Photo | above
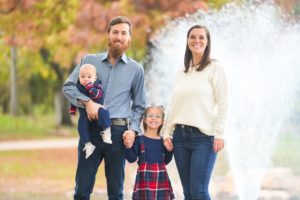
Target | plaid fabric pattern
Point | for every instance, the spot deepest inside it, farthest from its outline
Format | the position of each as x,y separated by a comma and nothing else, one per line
94,89
152,180
72,110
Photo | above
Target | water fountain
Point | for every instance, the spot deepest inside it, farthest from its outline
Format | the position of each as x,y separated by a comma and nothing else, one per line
260,51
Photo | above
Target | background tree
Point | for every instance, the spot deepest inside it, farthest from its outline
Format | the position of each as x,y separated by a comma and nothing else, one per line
51,36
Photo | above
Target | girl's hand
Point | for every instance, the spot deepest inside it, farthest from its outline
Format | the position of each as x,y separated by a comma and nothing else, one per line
218,145
168,144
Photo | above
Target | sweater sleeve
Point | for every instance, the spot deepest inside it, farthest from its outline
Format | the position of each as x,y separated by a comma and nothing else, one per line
168,156
131,154
220,88
168,126
94,91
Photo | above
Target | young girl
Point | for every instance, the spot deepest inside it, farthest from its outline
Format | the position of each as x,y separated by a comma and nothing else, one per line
152,180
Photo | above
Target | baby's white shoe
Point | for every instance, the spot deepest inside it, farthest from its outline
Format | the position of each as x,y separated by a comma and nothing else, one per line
89,149
106,136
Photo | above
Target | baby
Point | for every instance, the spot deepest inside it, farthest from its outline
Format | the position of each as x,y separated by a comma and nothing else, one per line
91,87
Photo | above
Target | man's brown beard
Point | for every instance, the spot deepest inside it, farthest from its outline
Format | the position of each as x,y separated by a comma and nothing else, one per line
117,52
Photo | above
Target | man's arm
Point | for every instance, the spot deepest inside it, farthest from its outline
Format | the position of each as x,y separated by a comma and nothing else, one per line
91,108
138,101
138,107
76,97
70,90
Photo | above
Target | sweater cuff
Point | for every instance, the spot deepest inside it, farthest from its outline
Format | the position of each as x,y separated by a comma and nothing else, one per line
168,132
219,134
219,137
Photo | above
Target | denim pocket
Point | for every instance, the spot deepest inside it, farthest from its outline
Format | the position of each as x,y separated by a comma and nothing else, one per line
177,135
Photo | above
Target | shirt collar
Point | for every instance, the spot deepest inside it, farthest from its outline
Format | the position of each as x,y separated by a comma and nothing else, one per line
124,58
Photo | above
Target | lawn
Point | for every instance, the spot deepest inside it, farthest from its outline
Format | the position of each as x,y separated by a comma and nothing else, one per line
49,174
37,172
46,174
40,174
287,152
33,127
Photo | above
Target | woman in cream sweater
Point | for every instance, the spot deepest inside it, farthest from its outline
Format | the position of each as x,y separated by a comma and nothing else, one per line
197,114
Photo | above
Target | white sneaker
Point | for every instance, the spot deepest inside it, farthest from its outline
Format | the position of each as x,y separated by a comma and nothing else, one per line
106,136
89,149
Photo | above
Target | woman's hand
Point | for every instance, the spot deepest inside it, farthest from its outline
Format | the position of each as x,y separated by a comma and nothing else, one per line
218,144
168,144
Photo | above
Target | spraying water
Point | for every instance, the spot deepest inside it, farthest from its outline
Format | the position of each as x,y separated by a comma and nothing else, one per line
260,52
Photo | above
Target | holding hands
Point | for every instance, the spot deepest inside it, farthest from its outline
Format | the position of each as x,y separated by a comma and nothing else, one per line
218,144
128,137
168,144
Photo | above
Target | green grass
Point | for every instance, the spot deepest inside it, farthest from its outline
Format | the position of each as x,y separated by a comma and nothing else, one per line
287,152
49,174
32,127
38,163
34,196
42,174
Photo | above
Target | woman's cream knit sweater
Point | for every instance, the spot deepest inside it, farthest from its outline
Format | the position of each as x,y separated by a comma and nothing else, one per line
199,99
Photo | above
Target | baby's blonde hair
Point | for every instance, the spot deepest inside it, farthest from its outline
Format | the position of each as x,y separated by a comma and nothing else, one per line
88,66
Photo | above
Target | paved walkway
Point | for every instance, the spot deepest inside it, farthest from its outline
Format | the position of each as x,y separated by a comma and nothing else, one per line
39,144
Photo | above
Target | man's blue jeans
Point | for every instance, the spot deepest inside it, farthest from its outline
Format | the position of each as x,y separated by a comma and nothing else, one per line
195,159
113,155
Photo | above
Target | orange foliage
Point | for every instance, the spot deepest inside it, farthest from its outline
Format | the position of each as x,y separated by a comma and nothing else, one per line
181,7
287,5
88,31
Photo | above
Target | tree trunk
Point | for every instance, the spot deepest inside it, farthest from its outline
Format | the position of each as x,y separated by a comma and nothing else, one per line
62,110
60,103
13,83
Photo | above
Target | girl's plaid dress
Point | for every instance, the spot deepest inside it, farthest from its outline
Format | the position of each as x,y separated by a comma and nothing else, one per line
152,180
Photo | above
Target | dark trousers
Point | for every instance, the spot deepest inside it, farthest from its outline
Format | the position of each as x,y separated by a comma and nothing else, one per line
114,159
195,159
84,123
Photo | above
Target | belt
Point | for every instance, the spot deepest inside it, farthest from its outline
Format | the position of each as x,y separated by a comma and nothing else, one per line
185,126
189,127
119,122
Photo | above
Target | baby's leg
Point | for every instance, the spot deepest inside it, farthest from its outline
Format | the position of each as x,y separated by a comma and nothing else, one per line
104,122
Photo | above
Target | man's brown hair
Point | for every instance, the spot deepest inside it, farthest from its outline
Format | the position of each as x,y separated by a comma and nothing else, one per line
119,20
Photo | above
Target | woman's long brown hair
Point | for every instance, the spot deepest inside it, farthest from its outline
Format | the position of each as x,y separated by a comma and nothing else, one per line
205,60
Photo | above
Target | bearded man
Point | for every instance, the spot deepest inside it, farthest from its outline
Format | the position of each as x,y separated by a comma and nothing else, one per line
124,97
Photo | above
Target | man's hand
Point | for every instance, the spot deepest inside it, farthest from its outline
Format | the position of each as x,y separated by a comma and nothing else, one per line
168,144
92,109
128,137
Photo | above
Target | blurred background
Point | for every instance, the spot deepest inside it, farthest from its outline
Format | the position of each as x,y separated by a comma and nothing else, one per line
41,41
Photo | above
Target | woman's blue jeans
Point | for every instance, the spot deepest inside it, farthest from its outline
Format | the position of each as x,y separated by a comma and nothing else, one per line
195,159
